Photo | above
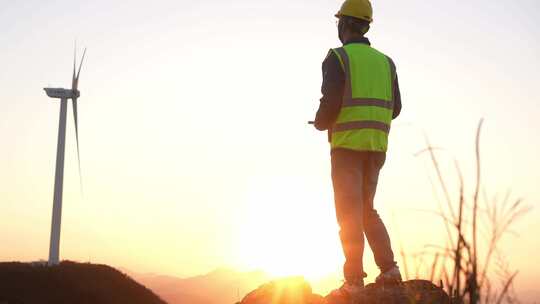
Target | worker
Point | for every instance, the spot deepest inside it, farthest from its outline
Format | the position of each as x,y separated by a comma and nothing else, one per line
360,99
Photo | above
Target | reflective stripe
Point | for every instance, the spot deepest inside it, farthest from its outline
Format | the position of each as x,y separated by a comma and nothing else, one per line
372,102
347,91
393,75
355,125
339,58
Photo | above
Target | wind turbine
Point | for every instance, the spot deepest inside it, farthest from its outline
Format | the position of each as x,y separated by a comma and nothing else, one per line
64,95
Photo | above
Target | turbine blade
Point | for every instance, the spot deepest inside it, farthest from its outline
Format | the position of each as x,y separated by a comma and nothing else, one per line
80,66
74,66
76,118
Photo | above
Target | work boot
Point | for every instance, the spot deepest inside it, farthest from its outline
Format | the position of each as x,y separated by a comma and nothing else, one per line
348,293
391,276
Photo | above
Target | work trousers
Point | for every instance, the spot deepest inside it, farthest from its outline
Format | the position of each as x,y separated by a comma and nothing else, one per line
355,176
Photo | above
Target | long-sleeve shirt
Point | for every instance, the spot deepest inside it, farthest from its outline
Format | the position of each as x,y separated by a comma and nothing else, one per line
332,90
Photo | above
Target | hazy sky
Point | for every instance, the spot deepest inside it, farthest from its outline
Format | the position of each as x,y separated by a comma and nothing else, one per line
194,144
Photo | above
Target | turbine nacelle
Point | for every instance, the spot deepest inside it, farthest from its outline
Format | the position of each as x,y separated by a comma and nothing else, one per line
62,93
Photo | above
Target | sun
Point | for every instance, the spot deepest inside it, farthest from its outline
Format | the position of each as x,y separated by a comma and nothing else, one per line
288,230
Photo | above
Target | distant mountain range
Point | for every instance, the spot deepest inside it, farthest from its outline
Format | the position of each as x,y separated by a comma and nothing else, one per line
221,286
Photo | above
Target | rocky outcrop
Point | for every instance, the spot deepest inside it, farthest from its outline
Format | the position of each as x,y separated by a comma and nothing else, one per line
298,291
410,292
287,291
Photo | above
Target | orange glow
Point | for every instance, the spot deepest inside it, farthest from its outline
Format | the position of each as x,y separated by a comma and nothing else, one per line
287,234
195,151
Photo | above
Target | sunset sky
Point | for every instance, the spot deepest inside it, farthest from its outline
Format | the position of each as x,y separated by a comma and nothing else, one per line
195,150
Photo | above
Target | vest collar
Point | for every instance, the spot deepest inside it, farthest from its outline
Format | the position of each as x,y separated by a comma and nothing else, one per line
363,40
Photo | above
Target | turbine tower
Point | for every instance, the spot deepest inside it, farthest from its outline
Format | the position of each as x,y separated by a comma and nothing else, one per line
64,95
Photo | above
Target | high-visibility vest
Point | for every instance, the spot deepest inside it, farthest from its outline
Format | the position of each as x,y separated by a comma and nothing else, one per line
365,117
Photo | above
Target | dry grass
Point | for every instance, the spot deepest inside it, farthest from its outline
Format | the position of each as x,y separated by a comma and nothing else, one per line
470,264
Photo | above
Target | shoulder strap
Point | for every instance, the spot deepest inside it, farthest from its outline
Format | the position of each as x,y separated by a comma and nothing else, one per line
337,53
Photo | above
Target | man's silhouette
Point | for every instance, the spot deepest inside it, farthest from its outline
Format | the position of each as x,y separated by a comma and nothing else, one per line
360,98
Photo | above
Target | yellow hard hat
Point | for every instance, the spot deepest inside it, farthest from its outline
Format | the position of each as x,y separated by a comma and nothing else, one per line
360,9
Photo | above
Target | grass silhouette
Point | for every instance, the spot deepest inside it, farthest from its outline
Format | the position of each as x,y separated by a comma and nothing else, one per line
470,263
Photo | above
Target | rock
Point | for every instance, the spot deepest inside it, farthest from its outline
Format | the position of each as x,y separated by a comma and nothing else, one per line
297,291
422,291
293,290
410,292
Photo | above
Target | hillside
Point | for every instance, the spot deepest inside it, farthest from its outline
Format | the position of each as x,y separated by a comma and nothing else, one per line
69,282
